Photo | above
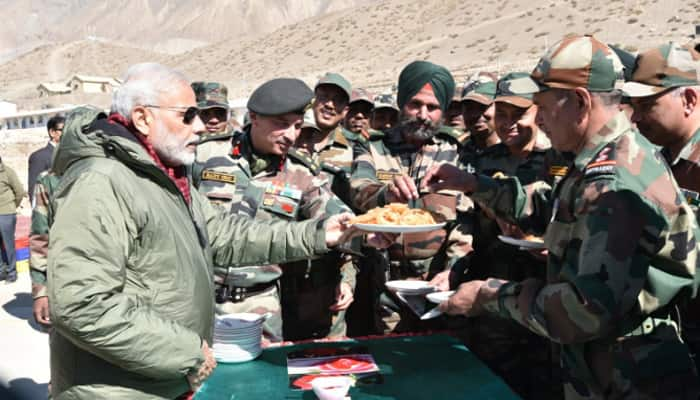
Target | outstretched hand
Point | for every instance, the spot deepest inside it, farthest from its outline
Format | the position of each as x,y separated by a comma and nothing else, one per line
448,177
339,231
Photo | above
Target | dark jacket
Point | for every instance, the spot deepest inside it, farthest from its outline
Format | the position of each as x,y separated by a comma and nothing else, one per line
39,161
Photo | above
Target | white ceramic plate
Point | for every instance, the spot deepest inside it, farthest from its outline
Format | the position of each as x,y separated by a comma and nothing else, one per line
228,349
238,321
247,342
224,358
238,332
525,244
439,297
399,228
410,287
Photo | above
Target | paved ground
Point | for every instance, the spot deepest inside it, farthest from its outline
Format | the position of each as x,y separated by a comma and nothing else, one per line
24,349
24,364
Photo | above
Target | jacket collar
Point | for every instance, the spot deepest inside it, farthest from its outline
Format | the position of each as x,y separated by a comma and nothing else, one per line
613,129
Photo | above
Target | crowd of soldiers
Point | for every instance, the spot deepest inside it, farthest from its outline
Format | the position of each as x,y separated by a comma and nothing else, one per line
605,310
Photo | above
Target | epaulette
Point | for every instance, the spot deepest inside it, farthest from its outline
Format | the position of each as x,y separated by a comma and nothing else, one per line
603,163
305,160
209,137
332,169
376,134
450,133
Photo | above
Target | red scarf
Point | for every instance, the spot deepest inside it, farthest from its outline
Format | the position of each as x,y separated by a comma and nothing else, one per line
177,175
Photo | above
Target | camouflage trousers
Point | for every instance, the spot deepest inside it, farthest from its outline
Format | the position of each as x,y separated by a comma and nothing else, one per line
267,301
653,366
306,310
524,360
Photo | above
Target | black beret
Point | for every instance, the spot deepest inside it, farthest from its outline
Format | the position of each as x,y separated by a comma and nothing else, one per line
280,96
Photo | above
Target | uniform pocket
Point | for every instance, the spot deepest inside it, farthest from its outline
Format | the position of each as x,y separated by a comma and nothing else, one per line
557,237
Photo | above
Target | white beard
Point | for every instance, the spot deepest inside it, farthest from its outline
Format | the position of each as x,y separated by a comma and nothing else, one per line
172,151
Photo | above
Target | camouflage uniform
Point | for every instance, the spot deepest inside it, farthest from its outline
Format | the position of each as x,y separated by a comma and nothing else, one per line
521,357
658,70
622,251
209,95
414,255
271,188
335,159
42,213
686,171
481,89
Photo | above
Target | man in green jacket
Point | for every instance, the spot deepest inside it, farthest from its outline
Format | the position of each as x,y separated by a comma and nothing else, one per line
11,194
130,279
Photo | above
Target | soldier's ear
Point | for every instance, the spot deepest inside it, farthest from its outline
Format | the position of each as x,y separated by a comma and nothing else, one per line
584,101
142,119
689,95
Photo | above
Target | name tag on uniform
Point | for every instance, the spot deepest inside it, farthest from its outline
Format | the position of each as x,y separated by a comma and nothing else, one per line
558,170
386,176
210,175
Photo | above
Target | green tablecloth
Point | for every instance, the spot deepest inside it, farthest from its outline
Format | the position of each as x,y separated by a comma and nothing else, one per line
417,367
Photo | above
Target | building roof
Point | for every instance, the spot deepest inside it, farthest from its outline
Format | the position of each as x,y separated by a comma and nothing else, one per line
95,79
54,87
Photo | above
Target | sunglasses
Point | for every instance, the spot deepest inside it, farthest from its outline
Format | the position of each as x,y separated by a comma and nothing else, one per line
188,113
220,113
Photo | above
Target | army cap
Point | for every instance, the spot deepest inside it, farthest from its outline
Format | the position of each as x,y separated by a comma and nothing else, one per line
662,68
210,94
385,101
331,78
516,88
361,95
457,97
579,61
480,88
280,96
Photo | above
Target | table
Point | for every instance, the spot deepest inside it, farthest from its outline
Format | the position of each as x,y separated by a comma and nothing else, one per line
414,367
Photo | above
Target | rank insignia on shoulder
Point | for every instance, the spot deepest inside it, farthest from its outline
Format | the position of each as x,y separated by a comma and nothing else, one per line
603,163
211,175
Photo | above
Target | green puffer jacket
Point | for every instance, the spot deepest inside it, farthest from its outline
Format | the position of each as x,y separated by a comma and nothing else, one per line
130,268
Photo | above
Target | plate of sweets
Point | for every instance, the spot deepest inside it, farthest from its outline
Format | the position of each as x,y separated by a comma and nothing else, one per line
398,218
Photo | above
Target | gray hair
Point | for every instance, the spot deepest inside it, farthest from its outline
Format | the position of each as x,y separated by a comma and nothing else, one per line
143,84
607,99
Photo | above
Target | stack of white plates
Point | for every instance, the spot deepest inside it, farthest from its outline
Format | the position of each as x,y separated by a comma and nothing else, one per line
237,337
